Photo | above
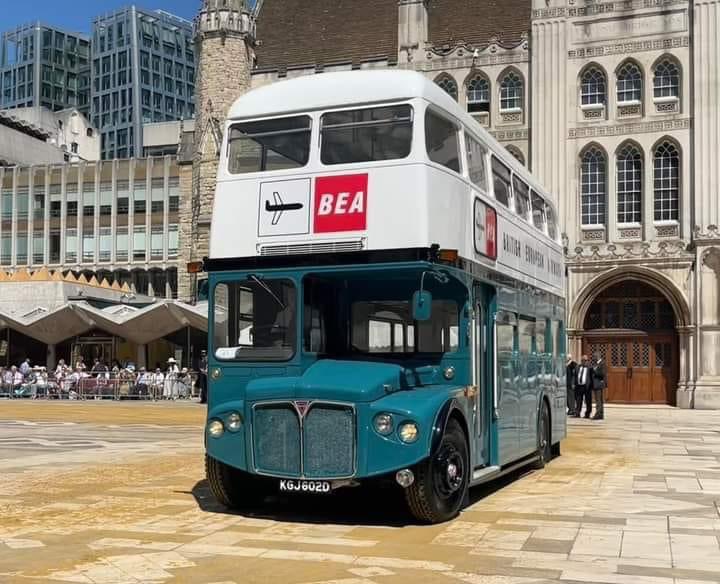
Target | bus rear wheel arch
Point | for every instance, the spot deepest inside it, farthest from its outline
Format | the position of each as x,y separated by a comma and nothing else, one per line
544,436
441,481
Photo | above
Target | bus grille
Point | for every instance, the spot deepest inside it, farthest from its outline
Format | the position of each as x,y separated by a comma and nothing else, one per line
328,440
312,248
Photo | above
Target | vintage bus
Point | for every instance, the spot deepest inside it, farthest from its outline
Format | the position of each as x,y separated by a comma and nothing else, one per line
386,297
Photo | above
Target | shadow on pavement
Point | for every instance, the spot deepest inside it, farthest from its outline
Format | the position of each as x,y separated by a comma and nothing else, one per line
379,505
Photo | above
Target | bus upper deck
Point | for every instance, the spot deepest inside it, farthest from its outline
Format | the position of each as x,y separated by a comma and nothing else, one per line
376,160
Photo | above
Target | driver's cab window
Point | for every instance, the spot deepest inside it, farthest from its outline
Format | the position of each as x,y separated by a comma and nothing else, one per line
388,327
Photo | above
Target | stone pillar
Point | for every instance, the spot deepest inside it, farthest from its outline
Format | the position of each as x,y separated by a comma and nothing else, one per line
141,356
51,359
684,396
412,29
225,39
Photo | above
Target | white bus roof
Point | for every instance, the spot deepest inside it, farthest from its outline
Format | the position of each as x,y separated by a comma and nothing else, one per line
334,90
352,88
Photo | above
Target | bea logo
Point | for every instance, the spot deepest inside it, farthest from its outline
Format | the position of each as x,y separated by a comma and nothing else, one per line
341,203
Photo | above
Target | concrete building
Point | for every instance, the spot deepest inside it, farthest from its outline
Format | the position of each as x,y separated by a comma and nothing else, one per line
143,71
44,66
24,142
67,129
114,220
613,105
164,138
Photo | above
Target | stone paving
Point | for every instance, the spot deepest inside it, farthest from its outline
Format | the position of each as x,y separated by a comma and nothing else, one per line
109,493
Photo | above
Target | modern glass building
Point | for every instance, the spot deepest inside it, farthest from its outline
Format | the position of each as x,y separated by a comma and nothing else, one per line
143,70
115,220
44,66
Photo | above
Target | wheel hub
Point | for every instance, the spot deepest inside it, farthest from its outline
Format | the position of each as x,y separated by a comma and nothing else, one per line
449,471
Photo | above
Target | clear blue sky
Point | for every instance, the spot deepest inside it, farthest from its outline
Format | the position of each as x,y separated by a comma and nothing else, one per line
77,15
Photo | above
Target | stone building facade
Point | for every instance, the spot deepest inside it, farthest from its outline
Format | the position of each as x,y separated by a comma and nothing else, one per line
612,105
225,37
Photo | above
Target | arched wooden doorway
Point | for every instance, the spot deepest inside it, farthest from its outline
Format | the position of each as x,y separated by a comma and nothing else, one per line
632,325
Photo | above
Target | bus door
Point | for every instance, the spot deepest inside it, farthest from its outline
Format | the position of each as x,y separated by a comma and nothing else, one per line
483,349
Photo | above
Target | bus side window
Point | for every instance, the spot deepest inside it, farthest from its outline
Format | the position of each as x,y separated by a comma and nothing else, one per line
477,161
551,222
522,198
501,182
442,142
538,211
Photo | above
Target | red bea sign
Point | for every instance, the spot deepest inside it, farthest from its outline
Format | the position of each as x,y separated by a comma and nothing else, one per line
341,203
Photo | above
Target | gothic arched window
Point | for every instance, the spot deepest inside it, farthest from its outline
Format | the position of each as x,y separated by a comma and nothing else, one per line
593,87
666,82
448,84
666,181
593,185
629,83
511,92
478,95
629,184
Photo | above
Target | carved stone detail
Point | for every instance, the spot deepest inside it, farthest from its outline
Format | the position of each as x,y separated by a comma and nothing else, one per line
630,233
667,231
629,111
667,107
510,135
593,235
638,128
595,8
629,47
630,251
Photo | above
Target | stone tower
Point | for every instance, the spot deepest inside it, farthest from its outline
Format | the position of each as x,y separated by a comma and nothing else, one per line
225,41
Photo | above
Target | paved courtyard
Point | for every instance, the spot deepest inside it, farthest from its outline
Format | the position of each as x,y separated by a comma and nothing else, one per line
114,493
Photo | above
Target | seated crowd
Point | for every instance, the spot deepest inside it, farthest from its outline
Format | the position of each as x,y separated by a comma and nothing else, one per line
120,381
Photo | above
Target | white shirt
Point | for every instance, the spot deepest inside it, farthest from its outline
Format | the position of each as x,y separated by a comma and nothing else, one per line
582,375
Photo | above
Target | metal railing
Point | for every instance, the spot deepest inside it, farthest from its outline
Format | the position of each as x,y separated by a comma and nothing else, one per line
100,388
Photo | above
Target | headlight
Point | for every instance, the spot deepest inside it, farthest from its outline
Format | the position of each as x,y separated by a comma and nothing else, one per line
234,421
408,432
216,428
383,424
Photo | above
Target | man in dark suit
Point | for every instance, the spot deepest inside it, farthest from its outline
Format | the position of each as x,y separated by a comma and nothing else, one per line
599,384
583,387
570,371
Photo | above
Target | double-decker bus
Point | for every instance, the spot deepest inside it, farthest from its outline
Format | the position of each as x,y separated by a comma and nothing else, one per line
386,291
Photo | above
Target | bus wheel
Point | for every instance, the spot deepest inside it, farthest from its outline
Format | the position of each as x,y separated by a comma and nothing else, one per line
544,438
441,481
231,487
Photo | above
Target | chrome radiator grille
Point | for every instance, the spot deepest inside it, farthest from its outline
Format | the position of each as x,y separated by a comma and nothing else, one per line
301,439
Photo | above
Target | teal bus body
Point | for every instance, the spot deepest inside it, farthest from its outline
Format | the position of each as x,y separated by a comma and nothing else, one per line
508,362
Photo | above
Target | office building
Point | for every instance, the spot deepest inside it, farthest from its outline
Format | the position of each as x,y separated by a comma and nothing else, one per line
143,71
44,66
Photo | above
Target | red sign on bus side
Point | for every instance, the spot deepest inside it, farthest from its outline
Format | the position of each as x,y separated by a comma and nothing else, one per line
341,203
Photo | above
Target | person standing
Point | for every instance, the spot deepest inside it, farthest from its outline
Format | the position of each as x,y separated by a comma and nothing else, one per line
599,384
583,388
203,376
570,376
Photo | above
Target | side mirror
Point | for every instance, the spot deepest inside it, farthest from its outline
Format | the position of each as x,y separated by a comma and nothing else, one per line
421,305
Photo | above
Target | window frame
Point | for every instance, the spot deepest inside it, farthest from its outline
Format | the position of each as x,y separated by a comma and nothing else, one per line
595,200
626,174
595,99
624,80
431,111
264,150
670,97
322,127
473,101
676,191
506,97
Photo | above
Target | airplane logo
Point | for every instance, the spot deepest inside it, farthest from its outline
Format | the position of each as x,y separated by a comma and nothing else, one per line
278,207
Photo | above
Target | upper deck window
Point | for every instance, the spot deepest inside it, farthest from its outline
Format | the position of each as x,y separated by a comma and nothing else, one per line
477,162
522,197
501,181
365,135
551,222
277,144
538,211
441,138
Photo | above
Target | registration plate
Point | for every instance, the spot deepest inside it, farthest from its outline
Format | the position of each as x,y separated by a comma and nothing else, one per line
302,486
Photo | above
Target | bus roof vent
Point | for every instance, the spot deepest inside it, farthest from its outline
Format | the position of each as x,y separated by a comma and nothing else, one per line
311,248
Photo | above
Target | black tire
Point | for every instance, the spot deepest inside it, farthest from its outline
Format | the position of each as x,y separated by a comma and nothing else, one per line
231,487
544,438
440,489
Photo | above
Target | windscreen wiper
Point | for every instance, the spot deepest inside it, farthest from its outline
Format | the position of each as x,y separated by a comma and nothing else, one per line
267,289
